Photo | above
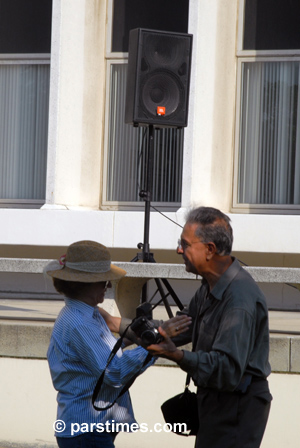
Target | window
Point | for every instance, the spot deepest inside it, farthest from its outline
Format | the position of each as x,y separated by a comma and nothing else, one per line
268,119
126,146
162,15
25,36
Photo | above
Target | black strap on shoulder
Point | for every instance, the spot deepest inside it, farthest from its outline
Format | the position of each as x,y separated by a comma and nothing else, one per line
187,381
126,386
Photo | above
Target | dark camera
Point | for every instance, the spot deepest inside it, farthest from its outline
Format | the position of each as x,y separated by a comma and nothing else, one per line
144,328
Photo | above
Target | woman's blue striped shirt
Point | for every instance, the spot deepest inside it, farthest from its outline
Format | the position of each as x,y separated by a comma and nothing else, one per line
79,348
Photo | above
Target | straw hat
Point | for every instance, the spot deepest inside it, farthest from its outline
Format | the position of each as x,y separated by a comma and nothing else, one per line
87,262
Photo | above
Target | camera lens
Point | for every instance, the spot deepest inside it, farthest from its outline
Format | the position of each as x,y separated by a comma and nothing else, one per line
149,336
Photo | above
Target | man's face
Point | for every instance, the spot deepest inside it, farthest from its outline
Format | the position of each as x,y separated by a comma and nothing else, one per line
193,251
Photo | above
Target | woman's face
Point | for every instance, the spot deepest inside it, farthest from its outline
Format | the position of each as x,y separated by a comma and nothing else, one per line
95,293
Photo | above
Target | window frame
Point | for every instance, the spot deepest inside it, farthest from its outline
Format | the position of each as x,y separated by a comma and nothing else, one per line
24,59
118,205
119,58
254,56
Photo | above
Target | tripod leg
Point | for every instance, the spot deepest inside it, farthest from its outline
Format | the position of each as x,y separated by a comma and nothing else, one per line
172,294
168,286
164,298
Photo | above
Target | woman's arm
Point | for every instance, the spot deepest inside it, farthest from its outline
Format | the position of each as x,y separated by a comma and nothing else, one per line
112,322
173,327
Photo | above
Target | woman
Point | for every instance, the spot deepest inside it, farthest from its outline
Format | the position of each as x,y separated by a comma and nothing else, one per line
80,345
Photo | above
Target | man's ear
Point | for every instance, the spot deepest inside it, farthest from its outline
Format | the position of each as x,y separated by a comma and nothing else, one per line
211,250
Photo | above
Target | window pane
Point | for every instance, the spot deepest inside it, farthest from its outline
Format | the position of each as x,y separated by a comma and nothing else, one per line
24,104
269,147
271,25
127,152
164,15
25,26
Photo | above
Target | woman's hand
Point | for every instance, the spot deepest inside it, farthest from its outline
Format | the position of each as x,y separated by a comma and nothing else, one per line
112,322
176,325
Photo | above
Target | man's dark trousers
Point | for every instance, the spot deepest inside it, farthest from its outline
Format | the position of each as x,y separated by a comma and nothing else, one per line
233,419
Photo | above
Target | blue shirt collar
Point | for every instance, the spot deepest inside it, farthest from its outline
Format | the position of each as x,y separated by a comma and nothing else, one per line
85,309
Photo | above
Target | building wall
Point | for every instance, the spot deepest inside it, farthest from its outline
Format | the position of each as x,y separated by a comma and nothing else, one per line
76,133
77,104
208,149
77,95
76,127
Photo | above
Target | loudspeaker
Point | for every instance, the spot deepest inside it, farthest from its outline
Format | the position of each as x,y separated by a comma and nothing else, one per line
158,78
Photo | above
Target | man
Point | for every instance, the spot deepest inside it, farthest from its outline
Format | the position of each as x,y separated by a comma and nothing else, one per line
229,363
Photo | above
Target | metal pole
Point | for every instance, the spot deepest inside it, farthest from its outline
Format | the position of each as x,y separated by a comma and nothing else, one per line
147,256
147,195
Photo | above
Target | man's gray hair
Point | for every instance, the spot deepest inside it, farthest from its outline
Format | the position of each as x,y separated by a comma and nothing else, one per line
213,226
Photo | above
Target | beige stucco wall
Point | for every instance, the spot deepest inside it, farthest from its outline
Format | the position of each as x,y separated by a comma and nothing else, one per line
266,234
160,383
77,92
208,151
28,404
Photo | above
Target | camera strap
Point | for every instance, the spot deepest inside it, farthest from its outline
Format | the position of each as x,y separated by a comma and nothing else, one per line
127,385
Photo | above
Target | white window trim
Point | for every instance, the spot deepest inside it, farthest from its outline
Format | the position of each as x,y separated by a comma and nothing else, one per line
258,56
21,203
25,58
109,53
241,53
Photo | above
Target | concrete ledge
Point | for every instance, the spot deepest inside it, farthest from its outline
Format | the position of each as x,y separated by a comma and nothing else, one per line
280,353
31,340
295,354
28,340
157,270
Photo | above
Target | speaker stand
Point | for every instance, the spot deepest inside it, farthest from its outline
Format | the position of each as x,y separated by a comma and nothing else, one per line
146,256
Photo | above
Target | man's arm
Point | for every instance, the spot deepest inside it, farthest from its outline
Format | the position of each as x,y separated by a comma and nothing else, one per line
223,365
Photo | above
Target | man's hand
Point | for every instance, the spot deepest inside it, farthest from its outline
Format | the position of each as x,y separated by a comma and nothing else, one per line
112,322
176,325
166,349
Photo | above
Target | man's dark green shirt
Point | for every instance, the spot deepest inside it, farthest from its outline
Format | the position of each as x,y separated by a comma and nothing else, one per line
230,332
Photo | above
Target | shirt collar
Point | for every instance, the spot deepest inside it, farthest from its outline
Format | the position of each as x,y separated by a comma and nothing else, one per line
86,309
226,279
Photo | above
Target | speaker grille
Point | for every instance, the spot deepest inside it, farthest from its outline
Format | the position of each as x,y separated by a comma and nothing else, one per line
164,50
161,88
